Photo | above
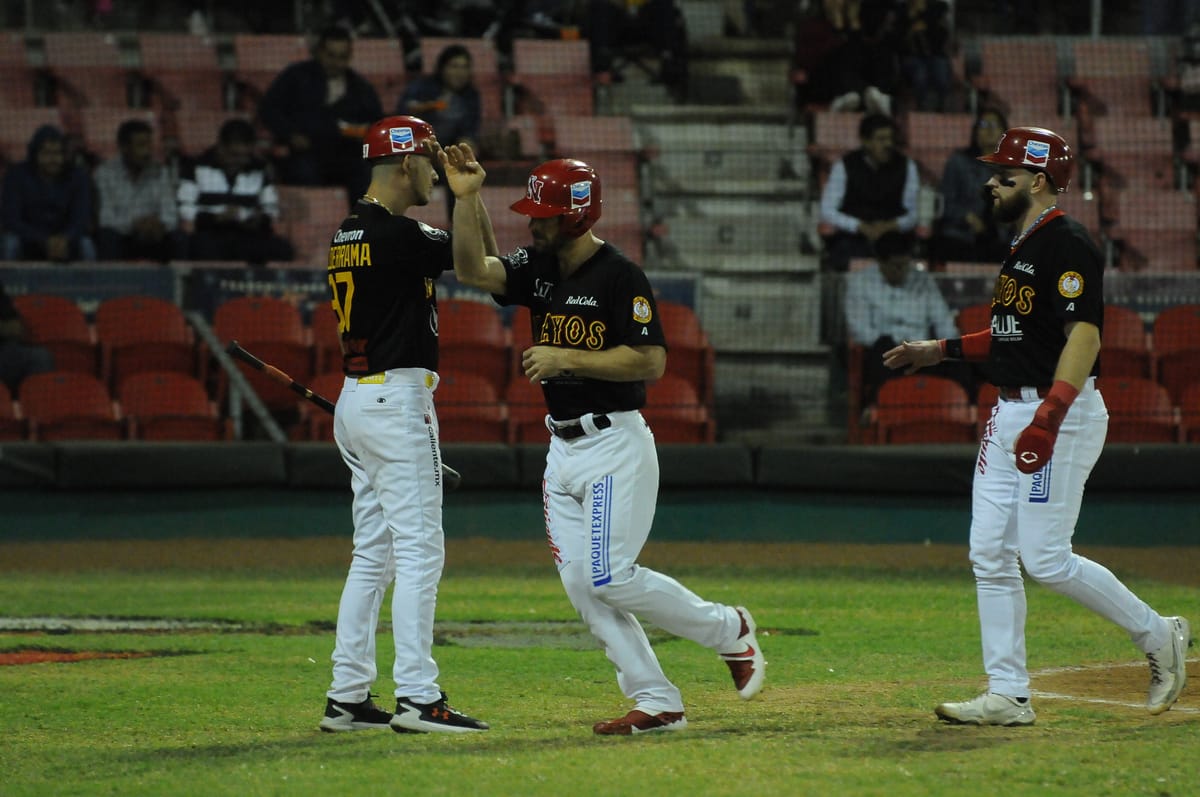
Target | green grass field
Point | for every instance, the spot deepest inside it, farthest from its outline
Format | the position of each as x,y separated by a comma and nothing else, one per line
859,654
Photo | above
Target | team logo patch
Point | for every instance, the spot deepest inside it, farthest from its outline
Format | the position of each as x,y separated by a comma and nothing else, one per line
641,310
433,233
581,194
1037,153
366,149
1070,284
402,139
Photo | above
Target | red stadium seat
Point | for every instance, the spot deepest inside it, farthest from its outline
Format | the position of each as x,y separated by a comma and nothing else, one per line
1114,76
974,318
100,127
469,410
555,74
59,325
1189,408
327,339
317,422
1020,73
183,72
1157,230
1133,151
64,405
1124,345
88,70
381,62
272,330
932,137
1139,411
168,405
675,414
308,217
690,356
1177,348
834,134
924,409
144,333
472,339
12,425
526,411
261,57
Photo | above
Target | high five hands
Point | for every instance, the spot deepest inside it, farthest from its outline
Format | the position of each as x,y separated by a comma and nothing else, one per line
464,174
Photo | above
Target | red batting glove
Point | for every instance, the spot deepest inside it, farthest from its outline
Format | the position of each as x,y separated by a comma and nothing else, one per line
1036,444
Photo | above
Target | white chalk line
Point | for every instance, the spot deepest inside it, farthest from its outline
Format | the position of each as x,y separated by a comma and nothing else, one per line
1177,709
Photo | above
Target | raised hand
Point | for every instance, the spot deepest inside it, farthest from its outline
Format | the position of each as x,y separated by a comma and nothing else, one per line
464,174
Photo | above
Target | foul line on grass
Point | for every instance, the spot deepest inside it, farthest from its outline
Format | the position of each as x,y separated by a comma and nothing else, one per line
1100,700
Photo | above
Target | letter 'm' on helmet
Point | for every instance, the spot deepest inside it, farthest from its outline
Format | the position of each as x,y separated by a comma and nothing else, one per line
1035,148
566,188
397,135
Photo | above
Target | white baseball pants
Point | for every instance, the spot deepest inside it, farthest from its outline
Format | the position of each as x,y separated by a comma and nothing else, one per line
599,495
386,429
1029,519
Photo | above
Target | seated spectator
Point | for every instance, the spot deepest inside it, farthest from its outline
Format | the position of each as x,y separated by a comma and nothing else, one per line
18,357
925,53
227,201
138,217
890,301
318,111
862,72
447,99
870,191
967,230
47,204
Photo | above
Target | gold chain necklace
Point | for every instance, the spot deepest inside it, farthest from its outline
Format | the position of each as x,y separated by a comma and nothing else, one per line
372,200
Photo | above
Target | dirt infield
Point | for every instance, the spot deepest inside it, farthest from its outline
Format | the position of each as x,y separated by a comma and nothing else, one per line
1173,564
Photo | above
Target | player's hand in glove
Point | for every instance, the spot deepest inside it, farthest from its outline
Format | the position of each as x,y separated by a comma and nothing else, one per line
1035,445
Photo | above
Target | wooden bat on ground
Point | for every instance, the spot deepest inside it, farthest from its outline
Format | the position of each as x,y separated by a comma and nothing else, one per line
451,478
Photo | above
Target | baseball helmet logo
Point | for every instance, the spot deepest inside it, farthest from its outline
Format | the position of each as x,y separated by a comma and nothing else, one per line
402,139
1037,153
581,194
534,190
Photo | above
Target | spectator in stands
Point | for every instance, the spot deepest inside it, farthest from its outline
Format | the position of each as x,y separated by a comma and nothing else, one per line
870,191
318,110
447,99
863,71
925,53
47,204
18,357
967,230
890,301
227,201
138,217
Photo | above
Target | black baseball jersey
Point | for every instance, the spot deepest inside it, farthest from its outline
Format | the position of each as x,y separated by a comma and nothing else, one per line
605,303
381,272
1054,277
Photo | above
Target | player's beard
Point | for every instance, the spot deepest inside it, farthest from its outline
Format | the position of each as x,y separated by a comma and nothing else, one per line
1008,211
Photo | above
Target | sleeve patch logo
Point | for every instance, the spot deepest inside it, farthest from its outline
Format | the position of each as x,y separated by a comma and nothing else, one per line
1070,284
641,310
433,233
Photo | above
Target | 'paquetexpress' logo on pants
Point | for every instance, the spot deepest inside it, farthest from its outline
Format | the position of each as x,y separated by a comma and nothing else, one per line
601,531
1039,491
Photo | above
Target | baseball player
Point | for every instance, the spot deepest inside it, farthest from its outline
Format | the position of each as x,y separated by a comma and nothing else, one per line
382,267
1044,435
597,339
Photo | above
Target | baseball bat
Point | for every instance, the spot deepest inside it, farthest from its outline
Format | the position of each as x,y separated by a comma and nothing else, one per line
450,477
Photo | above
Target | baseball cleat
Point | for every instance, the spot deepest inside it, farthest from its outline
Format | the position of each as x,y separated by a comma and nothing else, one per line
641,722
435,717
988,709
364,716
1168,667
746,662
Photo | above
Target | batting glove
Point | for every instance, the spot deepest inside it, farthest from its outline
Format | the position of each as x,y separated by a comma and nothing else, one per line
1036,444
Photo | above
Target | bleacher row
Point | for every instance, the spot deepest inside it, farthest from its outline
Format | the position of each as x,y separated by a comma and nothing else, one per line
1150,380
138,372
1134,185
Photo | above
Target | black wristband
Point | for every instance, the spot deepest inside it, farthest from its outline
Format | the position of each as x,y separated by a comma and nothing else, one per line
954,350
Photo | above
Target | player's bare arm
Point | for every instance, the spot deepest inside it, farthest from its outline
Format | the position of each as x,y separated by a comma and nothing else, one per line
618,364
475,261
1079,354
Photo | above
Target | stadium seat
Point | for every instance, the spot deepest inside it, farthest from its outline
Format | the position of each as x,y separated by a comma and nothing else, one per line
169,405
144,333
469,409
317,423
690,356
12,425
327,339
1189,409
1133,152
18,80
1157,230
65,405
183,73
1124,345
308,217
100,128
1020,73
273,331
199,130
526,411
556,74
1177,348
974,318
381,62
472,339
1114,77
675,414
262,56
924,409
88,70
1139,411
58,324
932,137
1086,211
834,134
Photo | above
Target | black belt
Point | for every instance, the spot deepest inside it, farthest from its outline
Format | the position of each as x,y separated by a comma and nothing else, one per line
573,429
1015,394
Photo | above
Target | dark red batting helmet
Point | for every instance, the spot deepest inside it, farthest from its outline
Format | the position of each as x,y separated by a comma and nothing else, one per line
566,188
1035,148
397,135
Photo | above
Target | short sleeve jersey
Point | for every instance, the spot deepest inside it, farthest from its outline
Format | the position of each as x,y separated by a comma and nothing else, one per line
1054,277
605,303
381,273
